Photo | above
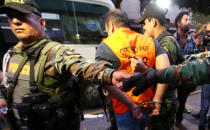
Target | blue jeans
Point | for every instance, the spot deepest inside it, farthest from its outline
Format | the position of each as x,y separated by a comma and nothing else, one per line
205,102
125,121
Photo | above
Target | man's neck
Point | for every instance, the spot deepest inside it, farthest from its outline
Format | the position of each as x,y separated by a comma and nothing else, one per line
158,31
182,37
182,34
31,40
27,42
118,28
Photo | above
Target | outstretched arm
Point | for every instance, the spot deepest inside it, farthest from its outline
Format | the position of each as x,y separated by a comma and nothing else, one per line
63,60
188,73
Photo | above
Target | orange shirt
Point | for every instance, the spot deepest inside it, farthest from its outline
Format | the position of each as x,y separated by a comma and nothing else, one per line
126,44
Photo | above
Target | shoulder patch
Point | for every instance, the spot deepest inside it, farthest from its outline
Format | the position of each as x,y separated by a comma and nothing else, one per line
65,51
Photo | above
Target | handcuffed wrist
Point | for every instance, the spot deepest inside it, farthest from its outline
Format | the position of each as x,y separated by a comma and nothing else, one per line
158,101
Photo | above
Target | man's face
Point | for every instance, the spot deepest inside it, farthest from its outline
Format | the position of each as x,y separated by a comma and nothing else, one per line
148,28
26,27
192,34
185,23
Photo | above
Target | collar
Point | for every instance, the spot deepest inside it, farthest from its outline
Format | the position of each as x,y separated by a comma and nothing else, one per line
178,38
19,47
122,29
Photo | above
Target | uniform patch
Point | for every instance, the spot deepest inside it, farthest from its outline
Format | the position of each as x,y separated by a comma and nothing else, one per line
14,66
14,1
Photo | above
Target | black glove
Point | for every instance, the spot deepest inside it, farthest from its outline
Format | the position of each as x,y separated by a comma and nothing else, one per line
142,81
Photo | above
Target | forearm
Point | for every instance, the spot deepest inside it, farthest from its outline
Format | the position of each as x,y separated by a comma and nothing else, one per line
190,73
120,95
201,30
94,72
159,93
161,63
65,61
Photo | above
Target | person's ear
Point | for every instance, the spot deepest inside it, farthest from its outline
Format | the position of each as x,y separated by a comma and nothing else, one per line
154,22
42,22
109,28
112,27
178,23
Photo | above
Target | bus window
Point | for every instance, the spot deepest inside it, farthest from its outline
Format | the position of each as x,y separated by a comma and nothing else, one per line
73,22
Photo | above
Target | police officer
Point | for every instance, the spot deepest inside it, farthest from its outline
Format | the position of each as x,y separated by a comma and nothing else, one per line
37,74
154,20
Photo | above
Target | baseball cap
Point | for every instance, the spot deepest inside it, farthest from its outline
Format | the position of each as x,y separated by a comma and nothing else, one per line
151,10
23,6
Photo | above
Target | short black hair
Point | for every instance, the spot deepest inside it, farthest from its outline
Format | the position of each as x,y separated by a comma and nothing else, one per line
117,17
179,17
191,32
162,21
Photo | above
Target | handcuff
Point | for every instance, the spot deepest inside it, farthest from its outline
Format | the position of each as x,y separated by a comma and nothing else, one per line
146,107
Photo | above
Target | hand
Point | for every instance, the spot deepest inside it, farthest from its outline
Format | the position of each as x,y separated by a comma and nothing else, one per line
136,112
3,102
118,77
156,109
137,65
203,28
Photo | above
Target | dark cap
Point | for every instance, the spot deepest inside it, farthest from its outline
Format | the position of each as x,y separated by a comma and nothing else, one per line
152,10
23,6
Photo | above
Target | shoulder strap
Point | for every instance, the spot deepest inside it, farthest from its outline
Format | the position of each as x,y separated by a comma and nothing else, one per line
168,35
162,35
44,53
33,53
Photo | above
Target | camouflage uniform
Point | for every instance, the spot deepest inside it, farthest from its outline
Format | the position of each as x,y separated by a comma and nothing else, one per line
196,72
193,73
62,63
165,120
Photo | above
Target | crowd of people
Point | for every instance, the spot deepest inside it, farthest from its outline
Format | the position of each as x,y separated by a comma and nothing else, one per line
38,78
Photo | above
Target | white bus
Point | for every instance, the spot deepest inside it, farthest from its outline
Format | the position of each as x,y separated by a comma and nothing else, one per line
78,23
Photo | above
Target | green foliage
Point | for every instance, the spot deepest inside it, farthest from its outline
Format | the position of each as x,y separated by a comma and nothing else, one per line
198,26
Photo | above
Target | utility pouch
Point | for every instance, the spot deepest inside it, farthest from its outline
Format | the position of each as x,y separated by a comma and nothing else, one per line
42,110
31,105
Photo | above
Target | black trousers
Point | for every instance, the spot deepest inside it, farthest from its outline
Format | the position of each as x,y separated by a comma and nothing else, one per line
183,93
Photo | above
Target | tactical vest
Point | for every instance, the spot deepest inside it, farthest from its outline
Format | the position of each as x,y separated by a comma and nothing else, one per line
20,83
165,34
126,44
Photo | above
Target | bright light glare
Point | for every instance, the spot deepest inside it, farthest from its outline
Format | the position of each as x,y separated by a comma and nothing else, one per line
163,3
